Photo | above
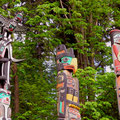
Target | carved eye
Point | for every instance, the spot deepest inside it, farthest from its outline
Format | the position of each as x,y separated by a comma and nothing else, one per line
60,60
65,59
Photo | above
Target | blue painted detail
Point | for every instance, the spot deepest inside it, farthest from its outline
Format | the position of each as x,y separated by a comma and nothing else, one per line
61,107
19,16
4,95
2,48
66,60
1,36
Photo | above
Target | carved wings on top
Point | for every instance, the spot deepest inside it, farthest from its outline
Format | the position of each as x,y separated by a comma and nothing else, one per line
6,23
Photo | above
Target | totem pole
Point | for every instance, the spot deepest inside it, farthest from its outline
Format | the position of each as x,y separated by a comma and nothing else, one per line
67,86
8,26
115,43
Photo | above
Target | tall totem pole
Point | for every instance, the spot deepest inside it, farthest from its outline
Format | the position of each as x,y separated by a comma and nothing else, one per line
8,26
115,43
67,86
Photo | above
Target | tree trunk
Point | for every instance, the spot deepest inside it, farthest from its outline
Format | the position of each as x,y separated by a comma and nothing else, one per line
91,95
16,89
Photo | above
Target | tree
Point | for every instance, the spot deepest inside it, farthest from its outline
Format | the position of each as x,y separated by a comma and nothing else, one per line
83,25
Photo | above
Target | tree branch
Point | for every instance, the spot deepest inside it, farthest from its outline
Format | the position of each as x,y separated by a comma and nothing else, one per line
65,14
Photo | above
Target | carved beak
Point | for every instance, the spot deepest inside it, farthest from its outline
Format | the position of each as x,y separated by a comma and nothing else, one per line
74,63
72,66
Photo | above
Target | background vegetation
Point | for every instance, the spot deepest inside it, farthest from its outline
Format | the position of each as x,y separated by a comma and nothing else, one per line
81,24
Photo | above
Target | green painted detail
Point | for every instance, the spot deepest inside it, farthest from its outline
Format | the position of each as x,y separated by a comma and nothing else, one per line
61,107
12,27
19,16
66,60
4,95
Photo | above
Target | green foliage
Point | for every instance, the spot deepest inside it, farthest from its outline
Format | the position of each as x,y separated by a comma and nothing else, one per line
98,93
81,25
36,85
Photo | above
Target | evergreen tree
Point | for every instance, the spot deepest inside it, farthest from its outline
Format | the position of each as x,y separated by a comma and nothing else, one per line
81,24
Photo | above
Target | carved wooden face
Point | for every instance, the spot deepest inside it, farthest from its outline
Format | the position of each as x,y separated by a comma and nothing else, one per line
5,98
69,63
5,111
66,59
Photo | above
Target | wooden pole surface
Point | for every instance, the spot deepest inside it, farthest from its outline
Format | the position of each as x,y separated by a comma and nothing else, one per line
67,86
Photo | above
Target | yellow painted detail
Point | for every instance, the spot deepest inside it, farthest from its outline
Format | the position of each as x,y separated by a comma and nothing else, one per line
118,56
74,106
74,62
75,99
69,97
